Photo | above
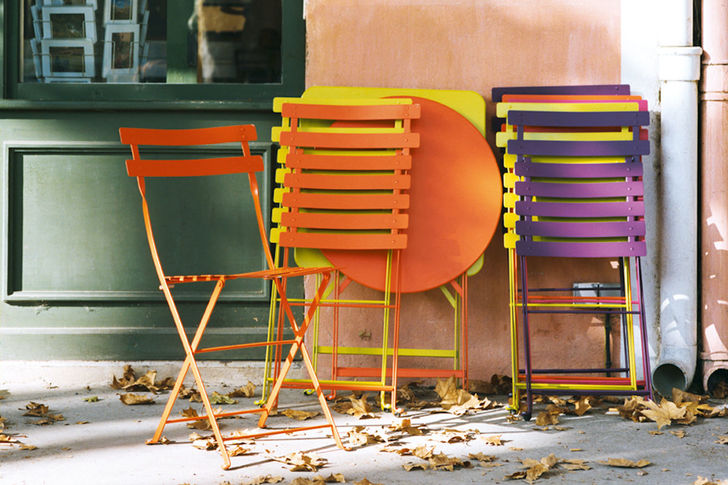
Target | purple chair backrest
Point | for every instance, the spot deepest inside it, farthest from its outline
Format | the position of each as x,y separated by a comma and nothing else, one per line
581,207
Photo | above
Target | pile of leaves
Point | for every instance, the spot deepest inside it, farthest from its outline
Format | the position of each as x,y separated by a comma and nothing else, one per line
685,408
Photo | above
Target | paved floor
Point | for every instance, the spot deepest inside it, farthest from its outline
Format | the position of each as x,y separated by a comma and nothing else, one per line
102,442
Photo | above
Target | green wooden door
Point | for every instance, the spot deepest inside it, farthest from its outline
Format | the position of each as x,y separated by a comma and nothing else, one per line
77,279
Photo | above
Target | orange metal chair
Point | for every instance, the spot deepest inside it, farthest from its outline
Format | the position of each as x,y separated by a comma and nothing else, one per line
344,188
198,167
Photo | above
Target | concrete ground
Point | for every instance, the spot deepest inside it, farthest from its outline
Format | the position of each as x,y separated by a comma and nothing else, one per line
101,441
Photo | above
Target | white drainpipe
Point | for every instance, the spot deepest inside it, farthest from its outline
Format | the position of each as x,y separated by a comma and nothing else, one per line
679,71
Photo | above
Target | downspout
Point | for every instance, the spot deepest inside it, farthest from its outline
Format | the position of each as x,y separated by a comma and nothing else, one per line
714,179
679,71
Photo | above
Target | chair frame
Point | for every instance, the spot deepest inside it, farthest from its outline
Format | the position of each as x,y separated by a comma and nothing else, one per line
297,138
249,164
599,114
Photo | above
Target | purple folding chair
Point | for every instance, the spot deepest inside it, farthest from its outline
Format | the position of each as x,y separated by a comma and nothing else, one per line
577,197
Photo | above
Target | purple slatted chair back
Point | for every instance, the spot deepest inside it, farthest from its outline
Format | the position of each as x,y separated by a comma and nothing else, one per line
577,203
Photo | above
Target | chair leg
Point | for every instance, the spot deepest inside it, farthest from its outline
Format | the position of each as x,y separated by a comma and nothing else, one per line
526,339
643,331
298,345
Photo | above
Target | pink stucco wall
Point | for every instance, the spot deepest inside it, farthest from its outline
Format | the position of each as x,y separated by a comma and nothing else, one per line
473,45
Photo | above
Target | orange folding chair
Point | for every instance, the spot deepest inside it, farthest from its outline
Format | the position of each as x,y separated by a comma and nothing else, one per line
200,167
344,197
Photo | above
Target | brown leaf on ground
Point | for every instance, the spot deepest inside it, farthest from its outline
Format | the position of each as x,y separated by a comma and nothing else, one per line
357,437
145,383
722,440
357,407
247,390
217,398
263,479
190,393
454,435
35,409
486,461
494,440
405,426
416,466
443,462
238,450
205,444
131,399
655,433
574,464
301,462
679,397
401,451
25,447
299,415
201,424
631,409
333,478
424,452
545,418
582,405
704,481
679,434
664,413
624,463
364,481
2,423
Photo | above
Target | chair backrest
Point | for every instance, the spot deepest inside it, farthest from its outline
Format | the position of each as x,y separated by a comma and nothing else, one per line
245,163
344,176
577,195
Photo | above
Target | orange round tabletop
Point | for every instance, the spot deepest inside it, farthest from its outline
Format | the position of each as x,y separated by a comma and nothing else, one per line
455,205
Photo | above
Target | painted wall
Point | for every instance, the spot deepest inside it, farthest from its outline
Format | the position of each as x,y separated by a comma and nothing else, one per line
473,45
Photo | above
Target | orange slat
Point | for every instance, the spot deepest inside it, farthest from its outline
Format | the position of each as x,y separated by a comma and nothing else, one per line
346,201
318,220
346,182
350,140
350,112
194,167
349,162
194,136
342,240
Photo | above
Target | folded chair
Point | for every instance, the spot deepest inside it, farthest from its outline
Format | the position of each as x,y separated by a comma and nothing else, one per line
574,190
344,189
245,163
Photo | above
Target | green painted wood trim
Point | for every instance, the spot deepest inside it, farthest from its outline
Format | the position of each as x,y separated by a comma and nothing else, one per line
9,294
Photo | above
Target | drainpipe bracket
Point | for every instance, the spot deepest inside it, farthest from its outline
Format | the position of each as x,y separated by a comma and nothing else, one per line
679,63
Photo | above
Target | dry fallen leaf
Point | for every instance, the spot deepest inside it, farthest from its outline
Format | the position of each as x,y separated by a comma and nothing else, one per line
722,440
624,463
201,424
147,382
301,462
35,409
357,407
357,437
131,399
247,390
582,405
405,426
679,434
545,418
454,435
494,440
364,481
217,398
299,415
664,413
704,481
263,479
